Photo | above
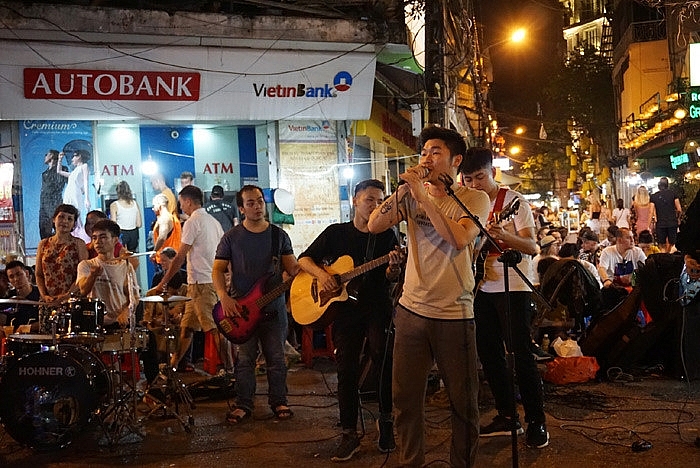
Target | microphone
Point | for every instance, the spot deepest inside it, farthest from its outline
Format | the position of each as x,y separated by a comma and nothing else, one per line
422,172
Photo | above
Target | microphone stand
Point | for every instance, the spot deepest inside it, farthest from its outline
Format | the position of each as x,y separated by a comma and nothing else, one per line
509,258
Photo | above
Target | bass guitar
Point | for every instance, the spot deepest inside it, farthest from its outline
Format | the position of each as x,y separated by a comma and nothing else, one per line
311,306
238,330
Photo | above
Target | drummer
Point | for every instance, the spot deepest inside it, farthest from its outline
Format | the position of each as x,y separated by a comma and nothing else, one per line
108,278
22,289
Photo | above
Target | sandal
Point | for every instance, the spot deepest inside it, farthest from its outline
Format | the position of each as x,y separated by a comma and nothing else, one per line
282,412
237,415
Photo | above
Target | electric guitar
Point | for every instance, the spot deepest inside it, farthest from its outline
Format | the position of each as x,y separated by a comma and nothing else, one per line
481,251
311,306
238,330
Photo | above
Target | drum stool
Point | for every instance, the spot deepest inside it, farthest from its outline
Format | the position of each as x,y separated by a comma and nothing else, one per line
309,351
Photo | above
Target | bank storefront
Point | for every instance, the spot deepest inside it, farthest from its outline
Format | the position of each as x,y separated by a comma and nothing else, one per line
275,118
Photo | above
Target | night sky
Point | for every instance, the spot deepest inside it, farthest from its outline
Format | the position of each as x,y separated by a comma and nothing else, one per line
520,70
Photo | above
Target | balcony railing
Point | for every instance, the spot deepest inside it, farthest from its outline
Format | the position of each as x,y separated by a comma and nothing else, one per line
645,31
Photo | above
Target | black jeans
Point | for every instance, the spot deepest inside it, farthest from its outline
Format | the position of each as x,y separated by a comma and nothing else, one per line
352,324
490,315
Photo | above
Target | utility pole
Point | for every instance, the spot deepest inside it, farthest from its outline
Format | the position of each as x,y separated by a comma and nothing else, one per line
434,61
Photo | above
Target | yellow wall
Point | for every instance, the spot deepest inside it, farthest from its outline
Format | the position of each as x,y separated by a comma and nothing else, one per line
648,73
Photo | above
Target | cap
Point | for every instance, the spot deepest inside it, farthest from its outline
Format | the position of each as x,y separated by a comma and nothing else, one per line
589,235
547,240
217,191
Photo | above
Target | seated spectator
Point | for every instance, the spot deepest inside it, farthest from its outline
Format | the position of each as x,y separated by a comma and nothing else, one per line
21,314
646,243
618,262
589,248
572,251
549,247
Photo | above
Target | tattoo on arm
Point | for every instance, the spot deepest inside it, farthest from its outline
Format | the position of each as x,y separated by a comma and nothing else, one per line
387,206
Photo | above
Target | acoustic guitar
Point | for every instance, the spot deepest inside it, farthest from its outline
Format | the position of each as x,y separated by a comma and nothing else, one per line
238,330
481,250
311,306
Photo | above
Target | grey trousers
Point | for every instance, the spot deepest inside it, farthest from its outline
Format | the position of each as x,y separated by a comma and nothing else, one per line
419,342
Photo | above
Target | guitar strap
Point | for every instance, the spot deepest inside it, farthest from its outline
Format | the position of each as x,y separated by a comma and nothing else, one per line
497,207
369,254
275,249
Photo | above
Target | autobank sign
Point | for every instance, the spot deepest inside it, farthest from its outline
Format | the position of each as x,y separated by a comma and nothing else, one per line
135,82
342,82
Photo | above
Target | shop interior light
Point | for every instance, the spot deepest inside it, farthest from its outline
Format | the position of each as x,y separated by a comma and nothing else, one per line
348,172
690,146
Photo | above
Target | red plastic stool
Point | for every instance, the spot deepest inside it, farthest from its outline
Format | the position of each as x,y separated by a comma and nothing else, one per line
309,352
211,354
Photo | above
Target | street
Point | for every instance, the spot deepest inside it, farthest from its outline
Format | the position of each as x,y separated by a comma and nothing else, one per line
591,425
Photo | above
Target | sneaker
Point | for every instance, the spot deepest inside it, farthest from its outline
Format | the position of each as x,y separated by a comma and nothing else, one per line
386,442
349,446
537,435
500,426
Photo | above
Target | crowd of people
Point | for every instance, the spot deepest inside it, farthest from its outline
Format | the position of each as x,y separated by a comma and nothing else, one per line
445,315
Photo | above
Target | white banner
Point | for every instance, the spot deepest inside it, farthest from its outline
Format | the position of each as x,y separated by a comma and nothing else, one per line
235,84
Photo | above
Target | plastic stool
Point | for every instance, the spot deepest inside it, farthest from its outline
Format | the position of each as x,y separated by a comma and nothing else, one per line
309,352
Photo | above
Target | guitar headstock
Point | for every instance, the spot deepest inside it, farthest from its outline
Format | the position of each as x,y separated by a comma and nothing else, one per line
509,210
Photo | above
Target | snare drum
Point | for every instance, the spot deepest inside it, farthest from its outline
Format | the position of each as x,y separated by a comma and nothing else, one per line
80,320
119,341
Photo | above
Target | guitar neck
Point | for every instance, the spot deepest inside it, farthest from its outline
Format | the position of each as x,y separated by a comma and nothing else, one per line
273,294
364,268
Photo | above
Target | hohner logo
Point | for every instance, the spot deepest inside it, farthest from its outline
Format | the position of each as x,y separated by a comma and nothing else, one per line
45,370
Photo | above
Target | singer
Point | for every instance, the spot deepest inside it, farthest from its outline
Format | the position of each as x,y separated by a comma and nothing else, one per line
490,306
434,319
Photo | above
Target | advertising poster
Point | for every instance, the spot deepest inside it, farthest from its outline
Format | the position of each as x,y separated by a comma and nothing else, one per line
57,160
309,162
7,213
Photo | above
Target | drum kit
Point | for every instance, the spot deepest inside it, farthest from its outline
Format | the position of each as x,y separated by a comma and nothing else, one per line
53,383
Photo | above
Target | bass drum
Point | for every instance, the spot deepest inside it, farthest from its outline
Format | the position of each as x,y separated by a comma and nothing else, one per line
48,397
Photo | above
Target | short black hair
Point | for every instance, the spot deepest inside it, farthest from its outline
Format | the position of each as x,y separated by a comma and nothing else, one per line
247,188
14,264
107,225
194,193
645,237
568,250
477,158
365,184
168,252
663,183
453,140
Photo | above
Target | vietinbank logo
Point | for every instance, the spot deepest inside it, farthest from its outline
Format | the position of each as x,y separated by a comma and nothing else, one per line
342,82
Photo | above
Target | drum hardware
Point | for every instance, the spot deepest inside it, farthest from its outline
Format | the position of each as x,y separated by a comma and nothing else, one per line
168,393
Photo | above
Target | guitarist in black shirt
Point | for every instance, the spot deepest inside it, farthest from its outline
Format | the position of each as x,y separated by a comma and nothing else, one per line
367,315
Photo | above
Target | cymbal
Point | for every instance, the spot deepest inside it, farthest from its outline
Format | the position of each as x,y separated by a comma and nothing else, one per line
19,301
140,254
164,299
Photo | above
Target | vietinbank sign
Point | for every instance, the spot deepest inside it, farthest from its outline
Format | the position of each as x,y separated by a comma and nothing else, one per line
342,82
188,83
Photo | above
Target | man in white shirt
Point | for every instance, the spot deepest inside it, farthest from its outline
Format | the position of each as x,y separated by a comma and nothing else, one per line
618,262
200,236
